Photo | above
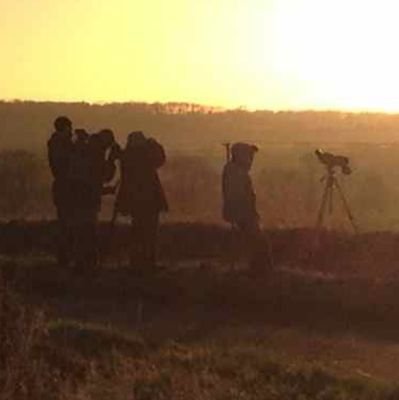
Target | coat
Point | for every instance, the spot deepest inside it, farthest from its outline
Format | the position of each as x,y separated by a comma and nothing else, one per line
239,199
141,191
60,149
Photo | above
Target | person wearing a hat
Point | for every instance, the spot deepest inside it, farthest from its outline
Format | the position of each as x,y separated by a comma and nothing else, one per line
239,200
141,196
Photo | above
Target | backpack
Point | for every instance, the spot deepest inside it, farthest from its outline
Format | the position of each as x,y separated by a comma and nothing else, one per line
156,153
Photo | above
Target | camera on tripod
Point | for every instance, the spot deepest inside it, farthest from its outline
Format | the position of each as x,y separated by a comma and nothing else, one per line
331,161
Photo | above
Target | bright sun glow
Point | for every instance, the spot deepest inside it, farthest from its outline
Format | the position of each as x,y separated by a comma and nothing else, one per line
340,53
276,54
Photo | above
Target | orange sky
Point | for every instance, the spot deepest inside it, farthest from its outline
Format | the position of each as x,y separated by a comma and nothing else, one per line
275,54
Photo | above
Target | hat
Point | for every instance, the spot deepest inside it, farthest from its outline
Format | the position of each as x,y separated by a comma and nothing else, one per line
106,134
62,122
136,138
240,149
81,134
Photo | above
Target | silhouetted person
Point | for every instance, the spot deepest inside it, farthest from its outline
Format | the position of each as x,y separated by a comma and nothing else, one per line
141,196
96,156
60,148
239,199
79,167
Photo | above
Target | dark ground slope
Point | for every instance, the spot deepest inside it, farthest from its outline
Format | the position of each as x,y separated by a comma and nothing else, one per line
319,327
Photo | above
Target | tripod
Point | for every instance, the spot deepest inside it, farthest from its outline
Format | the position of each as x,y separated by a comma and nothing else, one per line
328,197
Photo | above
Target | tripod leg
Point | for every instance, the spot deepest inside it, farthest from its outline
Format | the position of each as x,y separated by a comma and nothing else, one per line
346,206
269,250
326,195
331,199
319,223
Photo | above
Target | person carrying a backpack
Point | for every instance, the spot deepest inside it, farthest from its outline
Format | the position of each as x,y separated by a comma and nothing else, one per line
141,196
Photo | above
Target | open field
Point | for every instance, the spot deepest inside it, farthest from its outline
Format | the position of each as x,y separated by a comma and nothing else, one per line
198,330
286,172
323,325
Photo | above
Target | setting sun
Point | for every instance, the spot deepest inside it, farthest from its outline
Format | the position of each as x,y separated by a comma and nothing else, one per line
285,54
339,54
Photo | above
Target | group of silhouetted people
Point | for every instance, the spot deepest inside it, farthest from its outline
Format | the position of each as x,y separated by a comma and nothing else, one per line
83,165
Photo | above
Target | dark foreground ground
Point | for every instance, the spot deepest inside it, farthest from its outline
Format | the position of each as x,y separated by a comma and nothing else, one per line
323,325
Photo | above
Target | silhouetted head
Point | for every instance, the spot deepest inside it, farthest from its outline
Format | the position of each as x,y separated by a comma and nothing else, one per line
106,137
243,154
81,136
136,138
63,124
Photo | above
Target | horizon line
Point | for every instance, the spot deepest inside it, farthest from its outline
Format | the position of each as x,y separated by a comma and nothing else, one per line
216,108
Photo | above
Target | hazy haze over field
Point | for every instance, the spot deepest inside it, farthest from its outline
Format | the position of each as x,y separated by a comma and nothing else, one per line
286,172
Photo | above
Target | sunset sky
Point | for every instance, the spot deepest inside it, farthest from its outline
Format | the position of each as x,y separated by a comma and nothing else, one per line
274,54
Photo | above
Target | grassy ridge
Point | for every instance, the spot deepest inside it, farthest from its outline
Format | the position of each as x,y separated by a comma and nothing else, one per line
198,330
374,254
89,361
128,368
